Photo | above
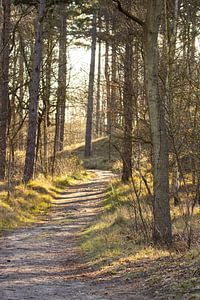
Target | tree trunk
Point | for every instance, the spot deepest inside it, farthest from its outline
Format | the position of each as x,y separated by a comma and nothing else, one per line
175,183
88,134
46,97
21,98
98,103
162,219
107,77
128,111
61,93
113,98
4,92
34,96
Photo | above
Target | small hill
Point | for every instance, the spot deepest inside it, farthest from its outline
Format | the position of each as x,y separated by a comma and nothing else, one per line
100,157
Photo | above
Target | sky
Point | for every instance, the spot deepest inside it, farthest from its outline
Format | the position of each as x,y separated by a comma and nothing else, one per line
79,62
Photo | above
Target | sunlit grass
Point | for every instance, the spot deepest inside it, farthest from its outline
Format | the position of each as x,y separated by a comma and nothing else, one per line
121,223
112,237
100,154
26,204
64,181
115,245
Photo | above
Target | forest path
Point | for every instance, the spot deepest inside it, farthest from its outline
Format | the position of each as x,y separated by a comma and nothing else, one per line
45,262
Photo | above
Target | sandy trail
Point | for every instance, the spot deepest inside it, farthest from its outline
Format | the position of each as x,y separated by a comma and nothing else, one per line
45,262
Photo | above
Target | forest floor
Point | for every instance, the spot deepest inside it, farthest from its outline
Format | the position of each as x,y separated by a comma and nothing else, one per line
45,261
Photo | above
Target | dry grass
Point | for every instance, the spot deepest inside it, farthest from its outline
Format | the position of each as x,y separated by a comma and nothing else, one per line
21,205
100,158
115,245
25,204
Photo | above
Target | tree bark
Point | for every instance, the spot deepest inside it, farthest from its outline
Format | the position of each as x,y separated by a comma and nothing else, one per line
128,111
88,134
21,97
108,92
34,96
4,90
62,75
113,97
46,96
98,102
162,221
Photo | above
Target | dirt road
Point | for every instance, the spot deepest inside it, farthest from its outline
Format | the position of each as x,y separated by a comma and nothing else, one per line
45,263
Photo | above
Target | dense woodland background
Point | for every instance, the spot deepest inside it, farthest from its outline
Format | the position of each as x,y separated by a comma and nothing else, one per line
141,102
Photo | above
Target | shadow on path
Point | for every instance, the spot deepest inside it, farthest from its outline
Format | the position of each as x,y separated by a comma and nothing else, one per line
45,263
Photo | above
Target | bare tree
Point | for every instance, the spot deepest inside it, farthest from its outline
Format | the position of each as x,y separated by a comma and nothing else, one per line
4,80
128,109
162,232
98,101
62,75
88,134
34,96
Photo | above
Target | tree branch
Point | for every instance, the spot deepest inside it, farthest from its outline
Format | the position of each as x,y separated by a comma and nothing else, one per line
128,14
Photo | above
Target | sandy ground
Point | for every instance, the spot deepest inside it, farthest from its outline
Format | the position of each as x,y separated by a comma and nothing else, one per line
45,263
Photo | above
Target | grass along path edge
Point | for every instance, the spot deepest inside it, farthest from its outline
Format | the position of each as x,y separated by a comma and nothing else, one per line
112,246
28,204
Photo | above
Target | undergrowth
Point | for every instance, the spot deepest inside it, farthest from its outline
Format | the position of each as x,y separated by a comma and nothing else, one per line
112,235
25,204
115,245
